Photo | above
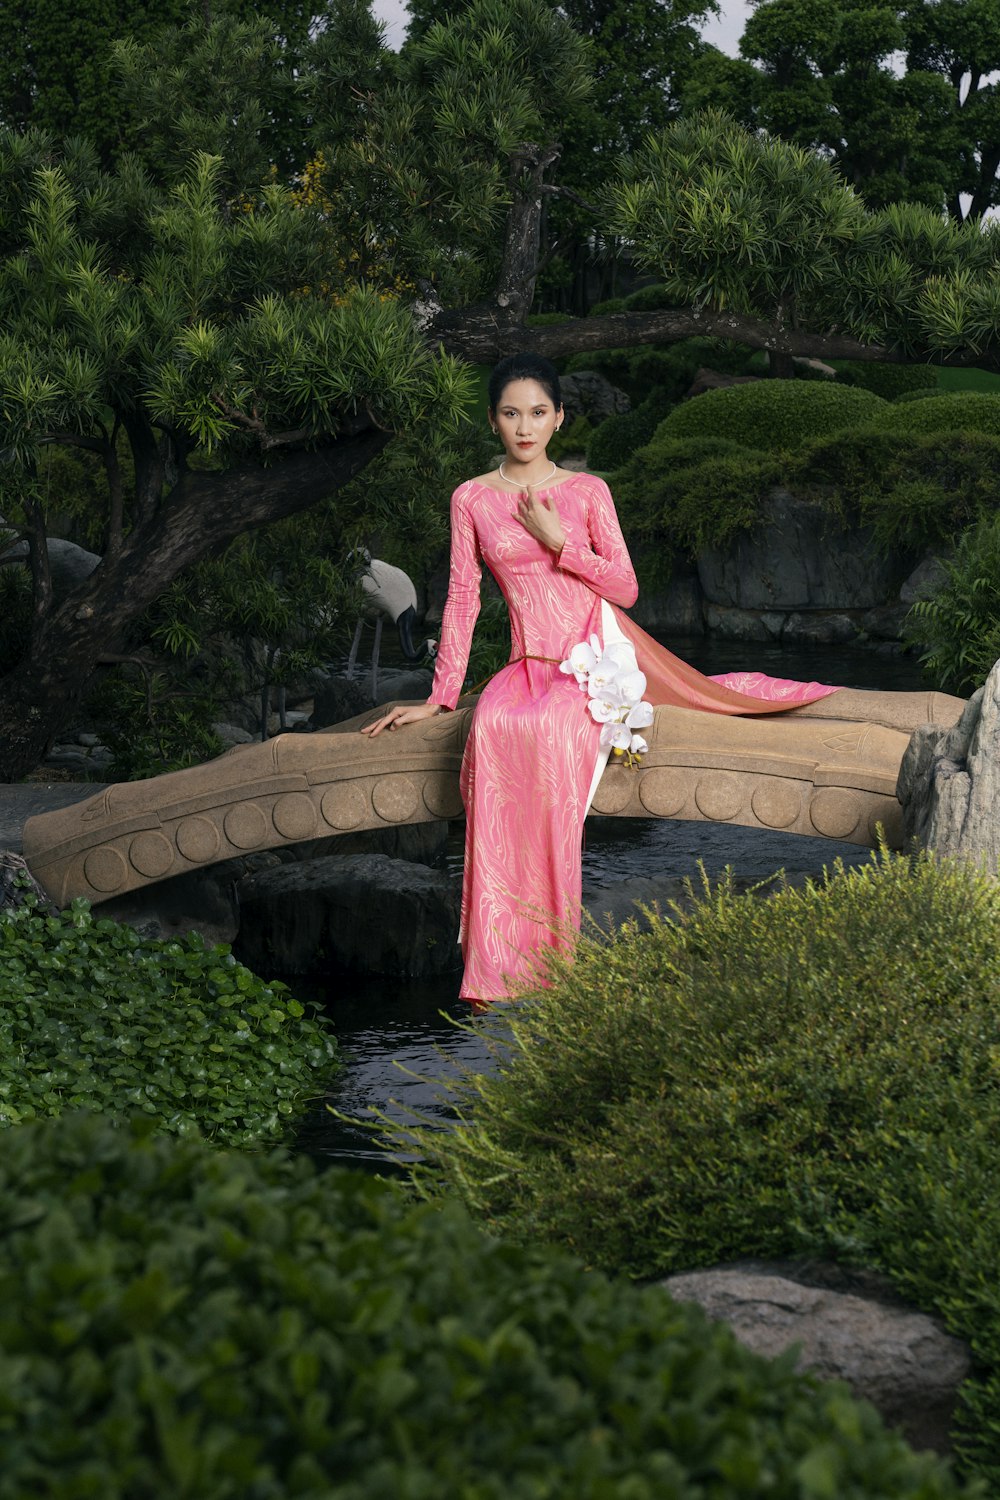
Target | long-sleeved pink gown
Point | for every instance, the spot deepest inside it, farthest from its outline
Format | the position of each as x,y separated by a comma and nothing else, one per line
533,749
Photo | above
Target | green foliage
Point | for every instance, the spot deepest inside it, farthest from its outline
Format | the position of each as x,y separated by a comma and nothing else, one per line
813,1073
889,381
958,628
665,372
778,414
15,609
182,1322
918,395
95,1017
614,441
572,437
741,223
966,411
693,493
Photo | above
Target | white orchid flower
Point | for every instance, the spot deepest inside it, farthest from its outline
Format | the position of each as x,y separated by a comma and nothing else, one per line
632,685
615,735
640,715
637,745
582,660
607,708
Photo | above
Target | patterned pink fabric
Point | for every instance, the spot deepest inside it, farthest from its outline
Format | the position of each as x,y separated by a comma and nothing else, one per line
533,747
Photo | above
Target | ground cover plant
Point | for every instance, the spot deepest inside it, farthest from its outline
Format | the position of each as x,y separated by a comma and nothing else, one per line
92,1016
179,1321
813,1073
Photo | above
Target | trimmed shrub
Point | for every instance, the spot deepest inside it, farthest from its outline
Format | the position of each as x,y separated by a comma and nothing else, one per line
958,629
693,493
779,415
92,1016
914,490
180,1322
965,411
614,441
918,395
890,381
570,439
815,1073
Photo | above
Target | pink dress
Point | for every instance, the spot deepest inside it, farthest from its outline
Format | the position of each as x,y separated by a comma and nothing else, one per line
530,760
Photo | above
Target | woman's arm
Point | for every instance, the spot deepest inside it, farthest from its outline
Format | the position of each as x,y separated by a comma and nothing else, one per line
605,564
461,609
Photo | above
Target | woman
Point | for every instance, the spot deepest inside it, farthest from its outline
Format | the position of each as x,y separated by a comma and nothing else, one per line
532,762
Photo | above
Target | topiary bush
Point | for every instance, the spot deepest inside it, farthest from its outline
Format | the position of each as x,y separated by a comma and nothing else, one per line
889,381
178,1322
962,411
779,415
92,1016
957,630
815,1073
692,493
613,441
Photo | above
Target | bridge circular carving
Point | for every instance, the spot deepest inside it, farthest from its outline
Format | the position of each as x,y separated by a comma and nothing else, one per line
442,796
294,815
395,798
198,840
151,854
105,870
719,795
776,803
662,791
245,826
344,807
614,790
834,812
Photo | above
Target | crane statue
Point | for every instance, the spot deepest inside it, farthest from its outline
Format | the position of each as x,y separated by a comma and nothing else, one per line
389,592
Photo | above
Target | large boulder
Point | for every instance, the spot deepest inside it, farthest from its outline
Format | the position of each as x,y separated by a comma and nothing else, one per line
365,913
798,559
890,1355
68,563
949,782
588,394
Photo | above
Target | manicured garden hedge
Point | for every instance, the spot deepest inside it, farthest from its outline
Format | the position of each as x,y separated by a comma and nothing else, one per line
890,381
778,415
964,411
812,1073
93,1016
183,1323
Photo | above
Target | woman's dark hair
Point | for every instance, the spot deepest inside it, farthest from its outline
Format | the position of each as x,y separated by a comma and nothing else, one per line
525,367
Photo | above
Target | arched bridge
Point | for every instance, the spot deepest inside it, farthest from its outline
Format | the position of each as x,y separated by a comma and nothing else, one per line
828,769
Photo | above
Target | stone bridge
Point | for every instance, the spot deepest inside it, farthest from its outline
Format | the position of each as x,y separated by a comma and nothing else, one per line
828,770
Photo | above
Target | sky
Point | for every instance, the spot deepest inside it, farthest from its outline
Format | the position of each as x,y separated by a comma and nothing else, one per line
723,31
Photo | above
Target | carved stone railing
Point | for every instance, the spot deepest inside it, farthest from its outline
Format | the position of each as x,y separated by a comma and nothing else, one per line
827,770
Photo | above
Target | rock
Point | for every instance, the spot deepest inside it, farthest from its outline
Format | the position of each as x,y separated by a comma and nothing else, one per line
202,901
894,1357
949,782
673,606
365,913
819,626
585,393
343,697
798,559
713,380
743,624
418,843
232,734
68,563
80,760
926,578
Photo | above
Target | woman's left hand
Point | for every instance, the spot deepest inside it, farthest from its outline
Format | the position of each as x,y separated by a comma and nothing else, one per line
540,518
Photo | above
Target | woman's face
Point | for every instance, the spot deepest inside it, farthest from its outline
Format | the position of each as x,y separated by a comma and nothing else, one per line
526,419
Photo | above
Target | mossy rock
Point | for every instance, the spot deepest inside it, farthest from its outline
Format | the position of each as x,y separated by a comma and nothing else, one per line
774,414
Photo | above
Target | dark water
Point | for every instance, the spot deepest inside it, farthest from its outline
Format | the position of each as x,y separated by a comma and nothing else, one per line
400,1037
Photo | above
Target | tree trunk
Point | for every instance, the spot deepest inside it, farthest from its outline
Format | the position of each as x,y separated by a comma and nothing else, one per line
203,513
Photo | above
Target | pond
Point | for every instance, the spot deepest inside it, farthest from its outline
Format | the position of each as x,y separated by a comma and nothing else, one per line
398,1037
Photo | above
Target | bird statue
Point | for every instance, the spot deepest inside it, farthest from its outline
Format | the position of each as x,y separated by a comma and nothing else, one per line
389,592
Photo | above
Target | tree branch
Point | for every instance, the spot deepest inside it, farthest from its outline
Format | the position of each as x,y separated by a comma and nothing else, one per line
478,334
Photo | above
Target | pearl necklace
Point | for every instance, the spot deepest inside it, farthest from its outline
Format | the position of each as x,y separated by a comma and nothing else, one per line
533,484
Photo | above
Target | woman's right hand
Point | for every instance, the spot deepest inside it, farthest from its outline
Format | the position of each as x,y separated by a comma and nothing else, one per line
411,713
